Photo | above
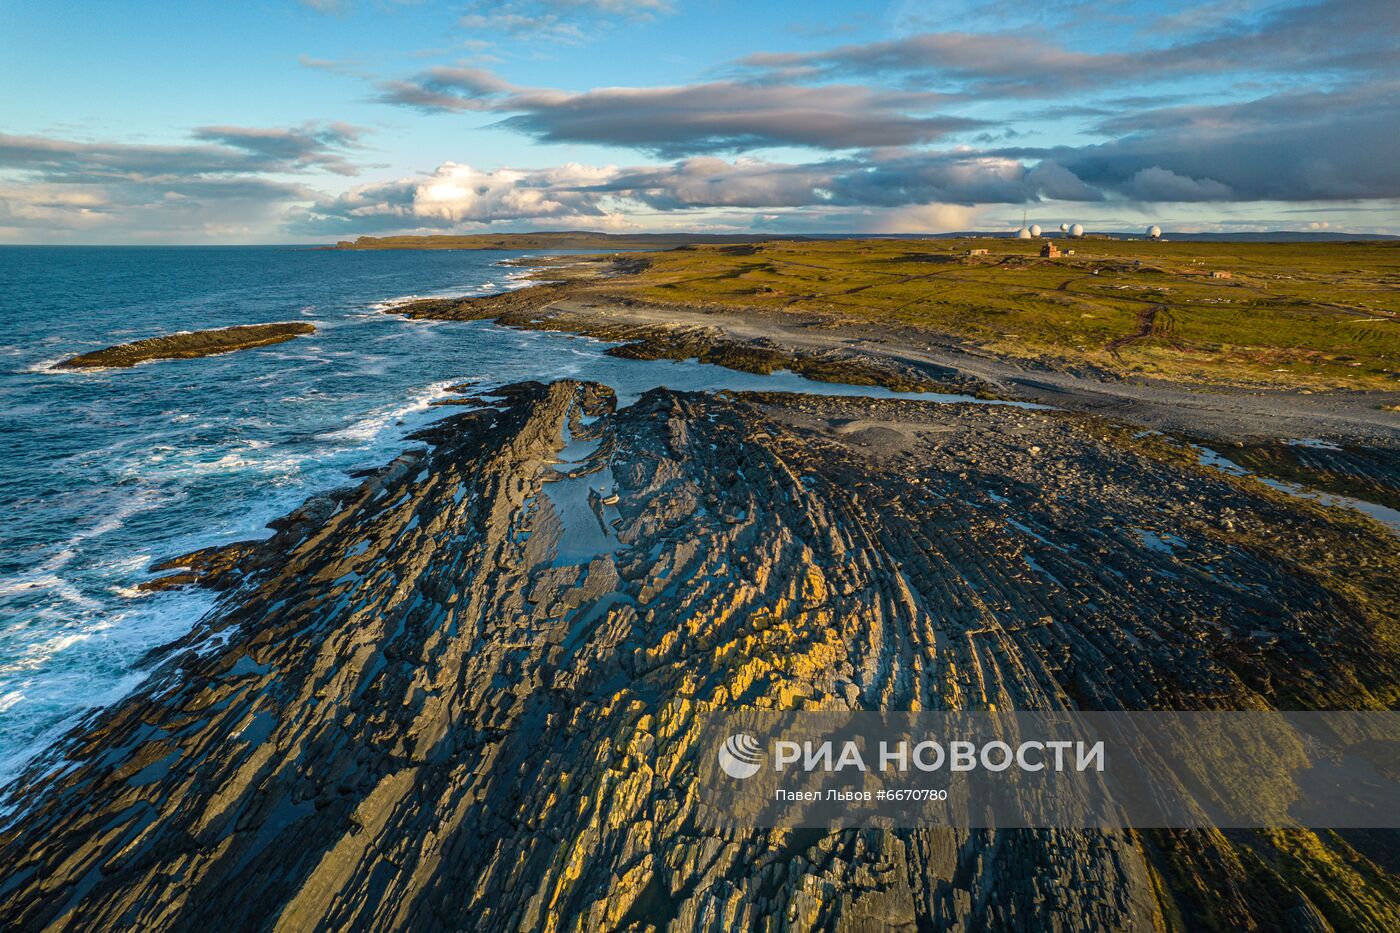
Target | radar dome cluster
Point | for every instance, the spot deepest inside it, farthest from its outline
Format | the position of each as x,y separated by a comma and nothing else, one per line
1033,231
1074,231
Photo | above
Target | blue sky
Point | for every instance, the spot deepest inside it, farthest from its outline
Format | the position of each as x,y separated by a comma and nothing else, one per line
314,120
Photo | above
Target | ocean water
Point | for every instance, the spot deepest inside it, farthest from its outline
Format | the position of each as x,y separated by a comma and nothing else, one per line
105,472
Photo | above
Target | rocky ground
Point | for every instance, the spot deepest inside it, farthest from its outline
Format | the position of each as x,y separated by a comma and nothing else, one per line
442,699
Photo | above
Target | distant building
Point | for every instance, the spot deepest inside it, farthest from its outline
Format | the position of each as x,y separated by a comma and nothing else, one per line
977,252
1221,274
1050,250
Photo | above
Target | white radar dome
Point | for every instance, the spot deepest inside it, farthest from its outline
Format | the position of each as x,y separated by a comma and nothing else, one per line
1154,231
1035,230
1023,234
1076,230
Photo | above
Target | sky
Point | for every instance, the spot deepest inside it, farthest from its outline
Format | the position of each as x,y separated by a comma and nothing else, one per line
310,121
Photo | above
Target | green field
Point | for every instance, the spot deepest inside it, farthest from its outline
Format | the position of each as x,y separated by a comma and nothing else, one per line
1315,315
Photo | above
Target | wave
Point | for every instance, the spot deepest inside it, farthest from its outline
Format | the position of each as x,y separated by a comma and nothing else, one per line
513,281
46,572
50,365
369,428
60,680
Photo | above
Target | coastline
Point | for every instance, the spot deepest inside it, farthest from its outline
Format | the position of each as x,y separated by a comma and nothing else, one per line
410,657
410,660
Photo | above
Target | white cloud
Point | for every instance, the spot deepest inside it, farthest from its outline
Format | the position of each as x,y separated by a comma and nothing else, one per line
565,21
462,194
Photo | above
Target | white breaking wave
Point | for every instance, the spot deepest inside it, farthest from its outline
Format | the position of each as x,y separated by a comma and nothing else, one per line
371,427
65,677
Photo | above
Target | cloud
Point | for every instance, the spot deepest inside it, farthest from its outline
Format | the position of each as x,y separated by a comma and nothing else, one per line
727,116
808,100
231,175
456,196
895,182
1010,63
311,146
924,131
1295,146
1160,184
331,65
445,89
1292,146
688,119
1053,181
341,7
898,189
1339,36
566,21
232,150
459,193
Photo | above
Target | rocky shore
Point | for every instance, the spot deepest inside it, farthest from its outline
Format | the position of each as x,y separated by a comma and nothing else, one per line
463,694
191,344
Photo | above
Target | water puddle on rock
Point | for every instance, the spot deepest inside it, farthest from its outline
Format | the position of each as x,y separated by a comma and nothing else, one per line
582,496
1387,516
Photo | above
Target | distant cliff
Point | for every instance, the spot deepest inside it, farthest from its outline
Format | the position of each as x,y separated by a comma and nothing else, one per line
568,239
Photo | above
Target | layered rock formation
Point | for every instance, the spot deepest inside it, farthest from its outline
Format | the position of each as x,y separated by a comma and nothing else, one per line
444,700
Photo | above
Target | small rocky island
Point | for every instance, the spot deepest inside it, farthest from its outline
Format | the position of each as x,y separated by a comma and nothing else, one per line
191,344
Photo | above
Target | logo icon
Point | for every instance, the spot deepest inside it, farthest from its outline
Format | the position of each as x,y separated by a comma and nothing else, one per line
740,756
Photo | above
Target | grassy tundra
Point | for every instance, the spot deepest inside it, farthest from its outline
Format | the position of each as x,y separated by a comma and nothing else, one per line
1308,315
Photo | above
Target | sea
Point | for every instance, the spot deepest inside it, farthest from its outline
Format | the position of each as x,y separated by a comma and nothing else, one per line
105,472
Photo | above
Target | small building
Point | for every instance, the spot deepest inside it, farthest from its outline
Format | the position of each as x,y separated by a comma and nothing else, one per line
1050,250
977,252
1221,274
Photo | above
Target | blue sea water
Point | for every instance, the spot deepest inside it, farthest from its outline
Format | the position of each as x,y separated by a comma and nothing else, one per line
105,472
